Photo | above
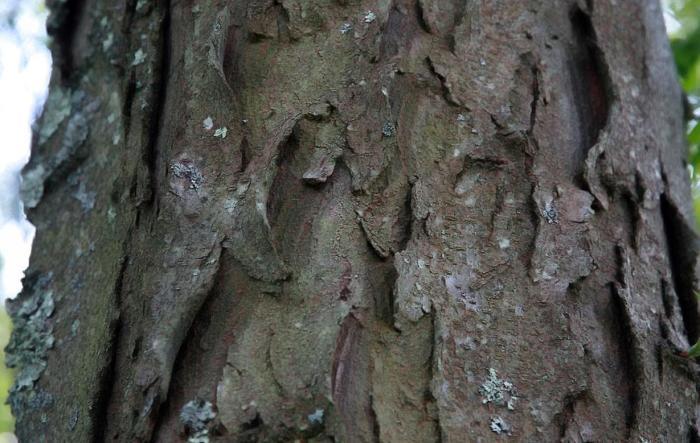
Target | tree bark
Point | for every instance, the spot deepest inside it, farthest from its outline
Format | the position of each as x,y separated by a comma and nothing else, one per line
377,220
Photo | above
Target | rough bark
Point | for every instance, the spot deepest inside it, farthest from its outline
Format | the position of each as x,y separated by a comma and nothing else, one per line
377,220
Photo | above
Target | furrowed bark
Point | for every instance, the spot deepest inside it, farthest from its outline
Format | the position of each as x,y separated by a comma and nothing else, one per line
407,220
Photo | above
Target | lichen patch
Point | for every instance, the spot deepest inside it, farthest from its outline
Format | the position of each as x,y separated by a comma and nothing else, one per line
498,391
195,415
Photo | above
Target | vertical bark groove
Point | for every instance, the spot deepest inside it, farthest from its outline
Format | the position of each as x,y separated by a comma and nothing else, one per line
591,82
628,359
682,246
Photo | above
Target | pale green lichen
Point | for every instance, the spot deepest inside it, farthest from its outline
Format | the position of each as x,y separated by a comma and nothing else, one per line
141,5
111,214
498,391
32,186
499,426
389,129
73,419
195,415
82,194
316,417
189,172
108,42
139,57
221,132
74,136
57,108
550,213
32,338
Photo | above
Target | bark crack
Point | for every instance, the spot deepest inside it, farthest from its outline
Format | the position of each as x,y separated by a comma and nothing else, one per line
628,356
682,247
157,116
62,26
590,81
100,413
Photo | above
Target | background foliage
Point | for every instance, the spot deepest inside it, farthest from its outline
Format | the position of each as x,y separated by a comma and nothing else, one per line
685,42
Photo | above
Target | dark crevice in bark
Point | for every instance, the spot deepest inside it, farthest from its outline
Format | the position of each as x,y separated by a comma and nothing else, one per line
384,300
531,145
568,412
446,93
666,299
58,176
659,355
374,422
129,13
535,99
535,219
631,211
498,206
420,18
682,244
431,374
590,81
99,416
279,189
271,368
129,94
639,186
253,426
245,154
61,27
229,64
576,288
627,353
405,221
693,434
249,431
157,116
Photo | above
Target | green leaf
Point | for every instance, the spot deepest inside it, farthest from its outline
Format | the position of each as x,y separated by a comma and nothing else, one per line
694,350
694,134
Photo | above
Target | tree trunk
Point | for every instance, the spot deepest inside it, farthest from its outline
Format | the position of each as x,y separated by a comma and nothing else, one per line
377,220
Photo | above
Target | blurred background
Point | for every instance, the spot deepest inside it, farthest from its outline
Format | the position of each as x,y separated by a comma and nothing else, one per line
25,65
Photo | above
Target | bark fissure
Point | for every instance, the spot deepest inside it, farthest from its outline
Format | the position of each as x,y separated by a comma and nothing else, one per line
535,101
569,412
628,357
682,246
590,80
62,26
446,91
157,116
100,412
